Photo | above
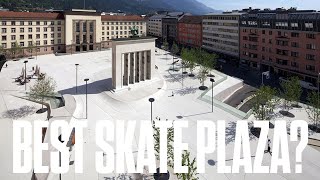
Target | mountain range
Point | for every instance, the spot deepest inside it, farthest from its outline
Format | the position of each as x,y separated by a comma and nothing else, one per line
127,6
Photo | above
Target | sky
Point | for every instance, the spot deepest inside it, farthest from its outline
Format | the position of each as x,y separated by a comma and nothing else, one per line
240,4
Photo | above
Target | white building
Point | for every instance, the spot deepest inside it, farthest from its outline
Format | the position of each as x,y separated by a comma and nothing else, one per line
221,33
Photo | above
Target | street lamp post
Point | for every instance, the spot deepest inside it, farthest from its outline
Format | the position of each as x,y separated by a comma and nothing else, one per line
212,81
25,75
86,80
151,100
76,78
60,156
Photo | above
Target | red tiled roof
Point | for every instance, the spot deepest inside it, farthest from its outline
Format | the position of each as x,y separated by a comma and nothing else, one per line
30,15
122,18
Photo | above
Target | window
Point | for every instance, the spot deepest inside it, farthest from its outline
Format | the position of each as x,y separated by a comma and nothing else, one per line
91,26
310,68
45,49
52,41
13,37
294,25
310,57
37,22
4,45
311,46
29,29
270,32
45,42
52,29
38,43
4,30
45,36
30,36
22,44
38,36
311,36
13,30
294,44
294,64
59,35
84,27
52,23
294,54
37,29
308,25
294,34
4,38
4,23
38,49
52,35
45,29
30,23
59,22
30,43
77,26
45,23
13,23
59,28
263,32
21,23
13,44
59,41
21,37
52,48
22,30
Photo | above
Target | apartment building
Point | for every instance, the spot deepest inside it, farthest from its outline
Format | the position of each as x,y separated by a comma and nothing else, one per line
190,31
118,26
221,34
286,42
170,25
46,31
155,25
23,33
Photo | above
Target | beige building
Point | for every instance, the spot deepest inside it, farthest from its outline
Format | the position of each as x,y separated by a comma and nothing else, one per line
23,33
221,33
155,25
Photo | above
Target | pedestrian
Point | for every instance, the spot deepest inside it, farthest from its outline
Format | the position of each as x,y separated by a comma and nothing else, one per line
6,65
172,94
269,148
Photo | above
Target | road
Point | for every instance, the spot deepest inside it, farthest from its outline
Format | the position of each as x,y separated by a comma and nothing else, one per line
240,95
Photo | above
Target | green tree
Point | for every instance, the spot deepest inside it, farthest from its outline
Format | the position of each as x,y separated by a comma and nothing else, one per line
42,89
16,49
184,56
264,102
291,92
31,48
191,61
165,46
174,51
192,168
156,136
202,76
313,109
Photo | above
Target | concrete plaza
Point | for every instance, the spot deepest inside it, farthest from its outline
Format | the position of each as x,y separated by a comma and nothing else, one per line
174,100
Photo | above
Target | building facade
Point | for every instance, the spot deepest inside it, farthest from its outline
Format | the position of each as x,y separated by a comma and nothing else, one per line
170,26
133,61
286,42
190,31
221,34
26,33
155,25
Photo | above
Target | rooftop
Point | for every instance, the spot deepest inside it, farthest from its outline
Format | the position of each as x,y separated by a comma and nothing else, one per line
122,18
191,20
30,15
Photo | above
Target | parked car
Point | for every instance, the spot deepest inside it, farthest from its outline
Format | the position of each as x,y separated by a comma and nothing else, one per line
303,84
